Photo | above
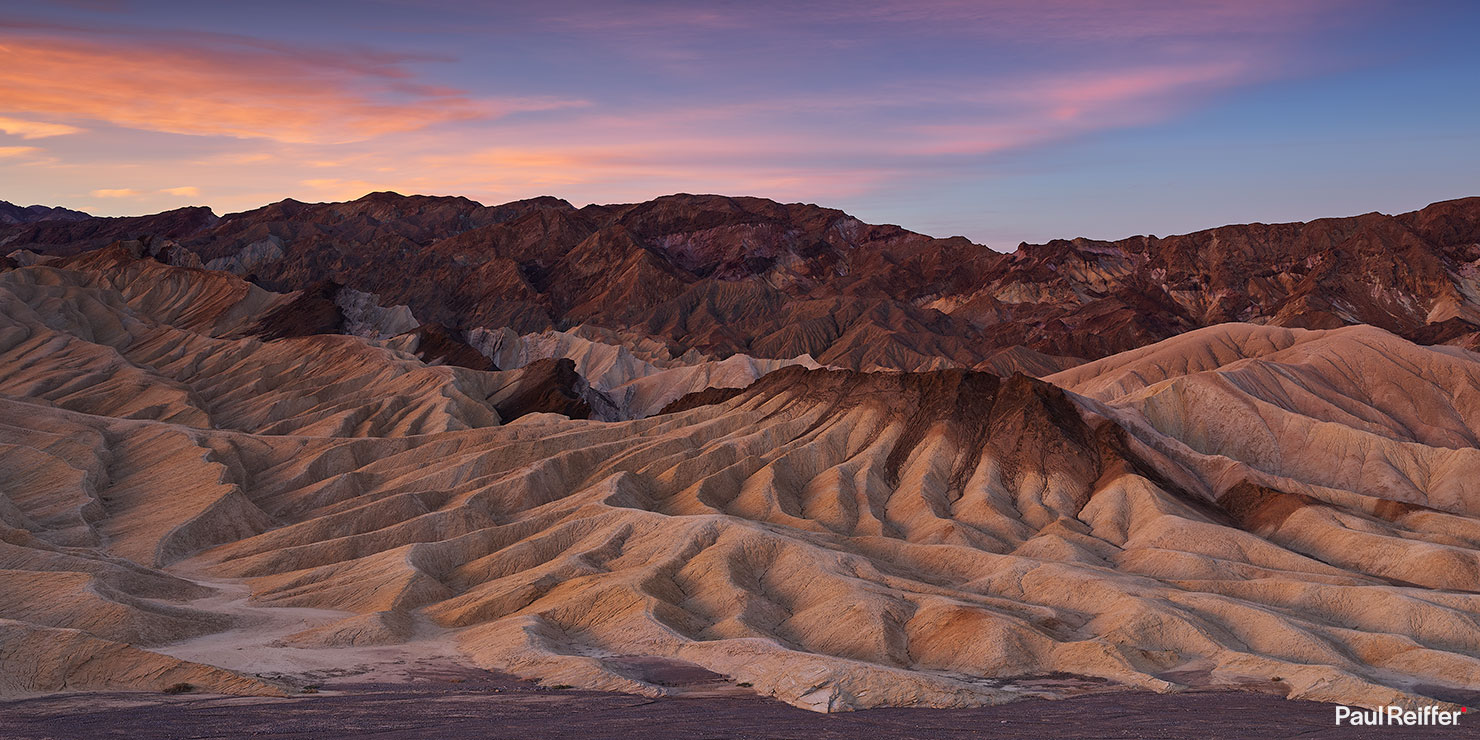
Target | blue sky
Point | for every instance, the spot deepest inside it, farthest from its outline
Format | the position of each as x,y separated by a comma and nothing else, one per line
1002,121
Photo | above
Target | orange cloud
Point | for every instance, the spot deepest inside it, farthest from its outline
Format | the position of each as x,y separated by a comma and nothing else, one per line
619,169
188,191
230,88
16,151
34,129
115,193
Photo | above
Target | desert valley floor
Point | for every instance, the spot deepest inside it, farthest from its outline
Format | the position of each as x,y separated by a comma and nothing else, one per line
439,701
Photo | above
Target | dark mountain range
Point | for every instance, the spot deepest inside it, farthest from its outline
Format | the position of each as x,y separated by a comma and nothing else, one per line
13,214
747,275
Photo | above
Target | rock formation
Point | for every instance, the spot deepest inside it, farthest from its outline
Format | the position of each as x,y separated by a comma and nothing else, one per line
188,454
723,276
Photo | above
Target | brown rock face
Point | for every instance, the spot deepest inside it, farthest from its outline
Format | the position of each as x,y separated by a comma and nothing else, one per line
312,311
747,275
723,275
706,397
435,345
545,386
75,235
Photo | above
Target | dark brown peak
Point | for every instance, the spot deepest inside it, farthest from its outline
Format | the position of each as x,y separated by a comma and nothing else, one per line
11,213
695,399
939,392
1112,444
1017,417
546,385
715,309
538,202
550,220
438,345
1021,359
380,196
283,210
1264,510
1469,204
605,212
381,223
312,311
1053,250
397,203
1031,414
1260,509
115,254
519,209
1391,511
324,287
1450,331
538,234
73,236
385,202
683,212
1449,223
386,206
604,246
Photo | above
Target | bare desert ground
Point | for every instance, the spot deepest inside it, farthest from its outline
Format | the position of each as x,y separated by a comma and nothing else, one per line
436,699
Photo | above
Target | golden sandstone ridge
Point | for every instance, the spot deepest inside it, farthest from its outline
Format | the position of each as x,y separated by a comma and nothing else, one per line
1275,509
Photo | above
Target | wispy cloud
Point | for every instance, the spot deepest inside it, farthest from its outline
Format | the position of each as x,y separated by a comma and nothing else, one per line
17,151
227,86
677,24
33,129
115,193
186,191
1079,102
1080,19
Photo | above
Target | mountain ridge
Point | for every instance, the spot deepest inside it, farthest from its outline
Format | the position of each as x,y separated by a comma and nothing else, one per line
726,275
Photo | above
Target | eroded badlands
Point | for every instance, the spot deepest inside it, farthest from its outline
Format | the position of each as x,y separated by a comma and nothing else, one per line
1273,509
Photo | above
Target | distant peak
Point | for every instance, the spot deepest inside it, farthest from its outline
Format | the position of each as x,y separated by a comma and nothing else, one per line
11,213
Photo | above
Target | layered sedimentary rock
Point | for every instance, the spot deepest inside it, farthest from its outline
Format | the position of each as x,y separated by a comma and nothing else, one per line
1271,508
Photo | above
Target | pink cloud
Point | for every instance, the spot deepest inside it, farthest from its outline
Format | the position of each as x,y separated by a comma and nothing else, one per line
236,88
1067,105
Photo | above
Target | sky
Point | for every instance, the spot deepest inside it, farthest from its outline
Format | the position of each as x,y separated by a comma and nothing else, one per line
1003,121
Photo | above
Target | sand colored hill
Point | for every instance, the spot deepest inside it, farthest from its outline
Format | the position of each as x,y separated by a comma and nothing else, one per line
1282,510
